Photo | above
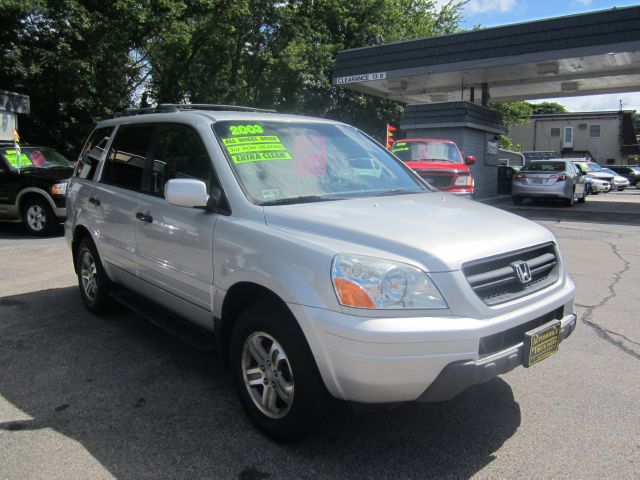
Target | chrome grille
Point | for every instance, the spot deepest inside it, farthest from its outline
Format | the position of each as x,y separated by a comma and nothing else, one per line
495,279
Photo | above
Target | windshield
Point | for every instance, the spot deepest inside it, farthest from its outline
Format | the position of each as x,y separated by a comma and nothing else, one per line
428,151
284,162
34,157
593,167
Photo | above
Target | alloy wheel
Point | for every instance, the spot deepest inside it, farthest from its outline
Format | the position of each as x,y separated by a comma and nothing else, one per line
267,375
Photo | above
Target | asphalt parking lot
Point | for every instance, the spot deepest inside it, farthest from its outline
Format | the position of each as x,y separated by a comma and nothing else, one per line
89,397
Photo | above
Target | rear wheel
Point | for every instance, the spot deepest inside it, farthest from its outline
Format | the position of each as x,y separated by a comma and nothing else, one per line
583,198
95,286
275,373
37,216
571,200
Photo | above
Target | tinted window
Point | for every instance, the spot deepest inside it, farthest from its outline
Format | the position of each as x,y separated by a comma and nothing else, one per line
544,167
93,151
179,153
126,159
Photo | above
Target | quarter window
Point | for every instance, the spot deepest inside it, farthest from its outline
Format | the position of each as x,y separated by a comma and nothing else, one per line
92,153
179,153
125,162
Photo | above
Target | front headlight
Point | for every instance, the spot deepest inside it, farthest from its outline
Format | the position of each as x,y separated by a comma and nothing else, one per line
464,181
367,282
59,188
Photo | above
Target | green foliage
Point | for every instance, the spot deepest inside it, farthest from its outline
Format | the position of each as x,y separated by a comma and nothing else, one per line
80,60
547,108
514,113
507,144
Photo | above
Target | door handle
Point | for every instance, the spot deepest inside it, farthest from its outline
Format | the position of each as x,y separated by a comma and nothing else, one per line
144,217
94,201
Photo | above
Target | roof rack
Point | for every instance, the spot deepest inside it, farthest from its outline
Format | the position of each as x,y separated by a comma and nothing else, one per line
175,107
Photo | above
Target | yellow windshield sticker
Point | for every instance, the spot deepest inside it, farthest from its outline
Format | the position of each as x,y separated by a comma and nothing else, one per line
244,140
15,161
246,129
260,157
401,149
255,147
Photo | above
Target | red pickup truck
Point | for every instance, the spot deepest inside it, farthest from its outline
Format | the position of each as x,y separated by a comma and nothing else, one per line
438,161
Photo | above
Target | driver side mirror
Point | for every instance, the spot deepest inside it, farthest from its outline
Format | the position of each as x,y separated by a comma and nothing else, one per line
469,159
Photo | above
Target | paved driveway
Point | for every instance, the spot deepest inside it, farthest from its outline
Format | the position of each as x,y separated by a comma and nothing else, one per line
89,397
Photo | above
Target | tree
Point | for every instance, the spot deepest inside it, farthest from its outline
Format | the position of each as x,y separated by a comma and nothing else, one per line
80,60
547,108
513,113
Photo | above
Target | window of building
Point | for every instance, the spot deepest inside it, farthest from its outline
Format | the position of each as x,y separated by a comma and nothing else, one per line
126,159
594,130
555,132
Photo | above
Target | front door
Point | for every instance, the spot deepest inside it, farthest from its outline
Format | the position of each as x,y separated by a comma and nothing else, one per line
174,244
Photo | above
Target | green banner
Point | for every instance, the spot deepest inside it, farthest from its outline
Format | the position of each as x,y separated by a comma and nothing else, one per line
255,139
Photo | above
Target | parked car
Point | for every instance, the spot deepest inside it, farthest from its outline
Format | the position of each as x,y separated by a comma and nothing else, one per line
555,179
319,274
595,186
618,182
33,186
439,162
631,173
594,170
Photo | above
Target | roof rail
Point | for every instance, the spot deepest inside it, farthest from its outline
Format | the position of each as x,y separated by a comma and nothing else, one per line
175,107
211,106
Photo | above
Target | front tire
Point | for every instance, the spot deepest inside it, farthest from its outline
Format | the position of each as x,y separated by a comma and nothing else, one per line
95,286
38,217
275,374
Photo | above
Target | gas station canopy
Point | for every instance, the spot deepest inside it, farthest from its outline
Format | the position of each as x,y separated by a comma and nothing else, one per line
585,54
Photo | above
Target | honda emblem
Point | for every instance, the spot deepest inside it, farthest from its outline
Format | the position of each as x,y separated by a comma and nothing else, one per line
522,271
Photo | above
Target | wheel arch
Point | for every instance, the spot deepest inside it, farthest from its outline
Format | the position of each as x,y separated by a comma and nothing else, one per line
33,192
79,233
238,298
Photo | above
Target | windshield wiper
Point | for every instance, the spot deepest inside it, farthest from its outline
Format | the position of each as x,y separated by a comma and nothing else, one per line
397,191
300,199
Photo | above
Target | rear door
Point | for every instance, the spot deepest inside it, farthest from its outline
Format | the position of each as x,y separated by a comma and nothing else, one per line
116,197
174,244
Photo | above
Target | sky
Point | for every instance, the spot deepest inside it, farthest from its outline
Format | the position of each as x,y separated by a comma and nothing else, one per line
493,13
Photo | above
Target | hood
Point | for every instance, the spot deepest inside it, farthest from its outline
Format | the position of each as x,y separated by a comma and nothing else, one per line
436,230
428,165
600,176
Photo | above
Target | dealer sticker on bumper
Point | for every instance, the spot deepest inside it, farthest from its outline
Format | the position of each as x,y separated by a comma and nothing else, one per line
541,343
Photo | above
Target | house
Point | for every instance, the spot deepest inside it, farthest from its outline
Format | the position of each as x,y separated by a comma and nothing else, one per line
607,137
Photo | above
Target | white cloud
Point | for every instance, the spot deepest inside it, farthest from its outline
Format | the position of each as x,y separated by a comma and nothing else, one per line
594,103
584,3
484,6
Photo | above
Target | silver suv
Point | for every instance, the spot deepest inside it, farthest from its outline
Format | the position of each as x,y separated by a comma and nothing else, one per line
322,266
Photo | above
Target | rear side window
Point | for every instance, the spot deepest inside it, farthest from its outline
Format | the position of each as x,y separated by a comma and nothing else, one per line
179,153
126,159
93,151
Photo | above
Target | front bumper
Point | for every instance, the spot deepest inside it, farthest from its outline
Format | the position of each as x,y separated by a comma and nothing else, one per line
381,360
458,376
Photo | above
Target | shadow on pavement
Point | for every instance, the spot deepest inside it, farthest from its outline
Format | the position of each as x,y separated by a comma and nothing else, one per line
15,230
146,405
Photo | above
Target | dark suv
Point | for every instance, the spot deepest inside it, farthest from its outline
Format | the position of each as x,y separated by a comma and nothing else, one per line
630,172
33,186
